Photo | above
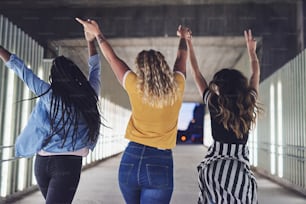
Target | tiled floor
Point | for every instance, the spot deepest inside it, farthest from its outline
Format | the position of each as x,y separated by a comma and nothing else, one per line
99,184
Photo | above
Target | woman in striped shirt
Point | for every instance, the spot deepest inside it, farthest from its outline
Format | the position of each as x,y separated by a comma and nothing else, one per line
224,174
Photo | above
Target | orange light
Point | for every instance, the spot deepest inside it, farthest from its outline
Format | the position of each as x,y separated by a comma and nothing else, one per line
183,138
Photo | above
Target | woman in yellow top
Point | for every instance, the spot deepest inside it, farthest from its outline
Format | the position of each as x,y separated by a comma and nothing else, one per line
155,93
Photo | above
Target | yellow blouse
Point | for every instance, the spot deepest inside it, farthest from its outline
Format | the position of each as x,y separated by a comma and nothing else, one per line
155,127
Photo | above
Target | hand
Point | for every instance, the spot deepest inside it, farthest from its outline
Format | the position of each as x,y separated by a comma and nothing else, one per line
89,37
4,54
90,26
250,42
184,32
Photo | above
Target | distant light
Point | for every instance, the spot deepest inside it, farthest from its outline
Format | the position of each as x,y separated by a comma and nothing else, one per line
186,115
7,141
272,131
183,138
280,146
193,121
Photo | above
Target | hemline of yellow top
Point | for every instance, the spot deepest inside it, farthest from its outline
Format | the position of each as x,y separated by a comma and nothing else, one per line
151,126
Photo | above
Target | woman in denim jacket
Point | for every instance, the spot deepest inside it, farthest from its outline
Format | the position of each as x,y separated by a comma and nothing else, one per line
64,124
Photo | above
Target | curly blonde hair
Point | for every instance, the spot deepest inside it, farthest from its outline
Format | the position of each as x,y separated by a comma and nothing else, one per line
235,102
155,79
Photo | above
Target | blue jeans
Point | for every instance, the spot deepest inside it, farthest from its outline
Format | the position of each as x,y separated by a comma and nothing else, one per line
58,177
146,175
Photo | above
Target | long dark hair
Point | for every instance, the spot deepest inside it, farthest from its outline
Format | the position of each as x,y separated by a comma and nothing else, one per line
72,98
235,101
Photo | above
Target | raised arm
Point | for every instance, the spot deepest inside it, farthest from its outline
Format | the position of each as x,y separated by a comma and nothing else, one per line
197,75
254,63
4,54
94,76
90,38
35,84
181,58
118,66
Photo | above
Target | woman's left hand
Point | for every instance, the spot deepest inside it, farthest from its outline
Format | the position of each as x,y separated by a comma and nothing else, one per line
250,42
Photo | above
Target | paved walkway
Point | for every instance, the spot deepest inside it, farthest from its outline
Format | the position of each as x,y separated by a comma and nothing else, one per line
98,185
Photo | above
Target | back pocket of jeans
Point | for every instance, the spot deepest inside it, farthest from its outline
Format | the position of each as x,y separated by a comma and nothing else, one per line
158,175
125,171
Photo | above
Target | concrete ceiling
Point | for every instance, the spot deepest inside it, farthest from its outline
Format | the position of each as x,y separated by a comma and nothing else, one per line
213,53
34,4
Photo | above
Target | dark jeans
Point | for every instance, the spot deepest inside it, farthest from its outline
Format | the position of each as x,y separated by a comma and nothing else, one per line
58,177
146,175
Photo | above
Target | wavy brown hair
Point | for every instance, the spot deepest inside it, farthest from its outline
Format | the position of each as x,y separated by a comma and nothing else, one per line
155,79
235,101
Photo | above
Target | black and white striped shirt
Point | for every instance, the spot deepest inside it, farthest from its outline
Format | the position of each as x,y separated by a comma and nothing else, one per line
225,176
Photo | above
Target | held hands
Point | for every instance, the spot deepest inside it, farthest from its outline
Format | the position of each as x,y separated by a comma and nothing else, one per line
184,32
251,44
91,27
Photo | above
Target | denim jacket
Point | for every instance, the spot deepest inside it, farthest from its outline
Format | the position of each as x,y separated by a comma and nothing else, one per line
31,139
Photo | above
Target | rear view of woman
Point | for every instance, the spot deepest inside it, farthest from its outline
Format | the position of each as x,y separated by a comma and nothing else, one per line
155,93
64,124
224,174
